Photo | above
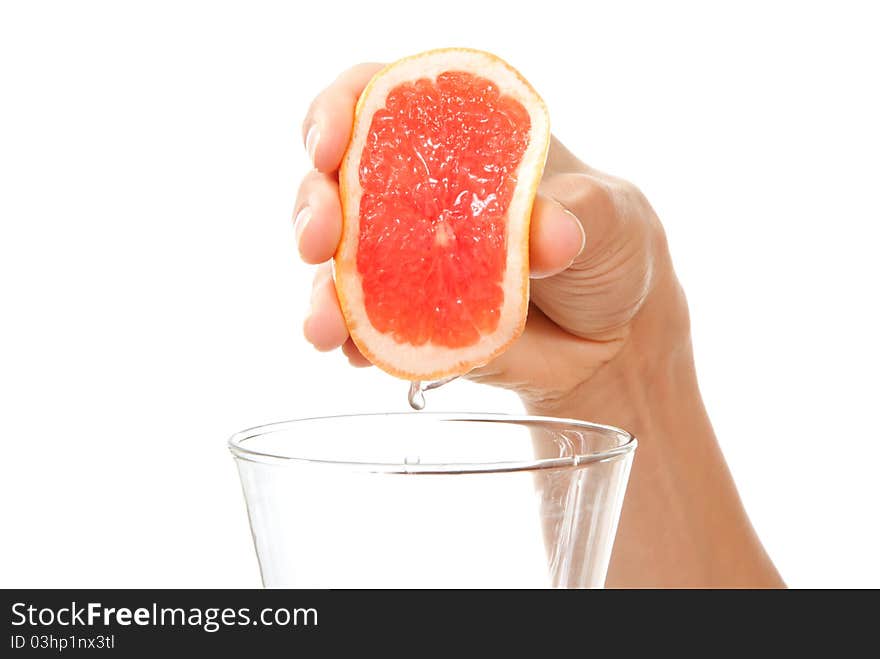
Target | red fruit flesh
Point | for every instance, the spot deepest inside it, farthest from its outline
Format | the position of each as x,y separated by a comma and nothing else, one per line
437,174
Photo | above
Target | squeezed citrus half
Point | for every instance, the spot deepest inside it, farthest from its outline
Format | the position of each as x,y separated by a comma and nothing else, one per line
437,186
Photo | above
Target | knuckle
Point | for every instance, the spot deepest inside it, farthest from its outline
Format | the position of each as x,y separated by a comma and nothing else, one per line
598,196
582,193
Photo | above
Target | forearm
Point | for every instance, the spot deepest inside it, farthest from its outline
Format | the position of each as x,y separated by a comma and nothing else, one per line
682,523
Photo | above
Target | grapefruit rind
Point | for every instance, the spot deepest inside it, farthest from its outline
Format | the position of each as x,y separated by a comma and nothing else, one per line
431,361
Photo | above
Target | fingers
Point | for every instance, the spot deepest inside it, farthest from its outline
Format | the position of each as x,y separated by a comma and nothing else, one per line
556,238
327,126
317,217
318,213
326,131
325,326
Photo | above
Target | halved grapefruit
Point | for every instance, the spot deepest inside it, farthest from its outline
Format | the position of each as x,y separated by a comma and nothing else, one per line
437,186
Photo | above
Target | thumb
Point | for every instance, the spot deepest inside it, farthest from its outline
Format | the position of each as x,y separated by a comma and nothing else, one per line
606,283
556,238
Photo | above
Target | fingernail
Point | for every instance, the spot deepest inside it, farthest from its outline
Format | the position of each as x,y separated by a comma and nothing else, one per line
312,138
300,221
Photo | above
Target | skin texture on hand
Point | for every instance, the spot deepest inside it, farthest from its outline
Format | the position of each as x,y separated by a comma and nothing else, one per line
607,340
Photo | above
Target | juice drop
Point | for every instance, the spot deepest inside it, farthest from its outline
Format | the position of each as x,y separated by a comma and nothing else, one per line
416,395
417,391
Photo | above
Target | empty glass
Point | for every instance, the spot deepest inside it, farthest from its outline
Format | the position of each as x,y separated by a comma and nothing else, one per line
433,500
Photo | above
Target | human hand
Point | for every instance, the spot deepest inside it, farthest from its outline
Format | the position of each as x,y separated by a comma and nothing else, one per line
597,256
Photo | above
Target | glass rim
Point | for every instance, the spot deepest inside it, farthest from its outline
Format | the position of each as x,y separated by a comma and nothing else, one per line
578,460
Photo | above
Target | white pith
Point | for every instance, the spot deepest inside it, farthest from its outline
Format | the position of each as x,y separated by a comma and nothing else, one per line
431,361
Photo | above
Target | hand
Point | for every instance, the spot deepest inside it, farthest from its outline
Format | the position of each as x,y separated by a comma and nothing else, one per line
607,339
597,254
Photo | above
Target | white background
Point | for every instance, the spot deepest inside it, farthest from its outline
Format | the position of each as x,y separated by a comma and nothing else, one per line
151,298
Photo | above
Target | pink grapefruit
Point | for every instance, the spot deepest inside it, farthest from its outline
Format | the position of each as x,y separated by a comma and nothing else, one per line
437,187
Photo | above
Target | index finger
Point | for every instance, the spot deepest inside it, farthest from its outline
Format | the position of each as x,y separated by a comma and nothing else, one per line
327,126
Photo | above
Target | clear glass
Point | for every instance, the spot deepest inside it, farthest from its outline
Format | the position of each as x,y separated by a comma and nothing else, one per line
433,500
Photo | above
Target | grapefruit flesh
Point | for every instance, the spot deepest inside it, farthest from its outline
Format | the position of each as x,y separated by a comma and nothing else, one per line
437,174
437,186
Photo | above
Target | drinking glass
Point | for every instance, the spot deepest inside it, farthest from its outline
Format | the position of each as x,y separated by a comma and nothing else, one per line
433,500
